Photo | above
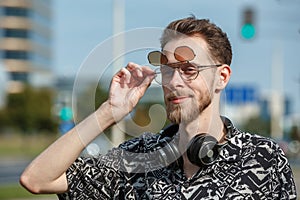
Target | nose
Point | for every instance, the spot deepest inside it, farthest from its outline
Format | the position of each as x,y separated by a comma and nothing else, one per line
175,79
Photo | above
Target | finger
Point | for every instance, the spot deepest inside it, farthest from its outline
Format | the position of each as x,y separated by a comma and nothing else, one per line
135,69
144,71
124,75
148,71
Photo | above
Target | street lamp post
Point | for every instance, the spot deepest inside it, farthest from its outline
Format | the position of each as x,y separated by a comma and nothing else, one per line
118,135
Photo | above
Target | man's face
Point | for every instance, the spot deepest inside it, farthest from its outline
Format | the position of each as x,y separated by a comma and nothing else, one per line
186,100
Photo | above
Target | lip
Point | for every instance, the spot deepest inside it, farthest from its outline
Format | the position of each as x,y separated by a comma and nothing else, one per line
178,100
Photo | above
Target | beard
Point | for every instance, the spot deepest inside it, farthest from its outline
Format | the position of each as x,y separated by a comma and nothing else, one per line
187,111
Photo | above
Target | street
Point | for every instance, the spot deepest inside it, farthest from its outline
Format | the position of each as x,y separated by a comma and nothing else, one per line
10,170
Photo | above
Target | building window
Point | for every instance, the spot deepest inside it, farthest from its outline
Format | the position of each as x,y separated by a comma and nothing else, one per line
16,11
19,76
12,54
17,33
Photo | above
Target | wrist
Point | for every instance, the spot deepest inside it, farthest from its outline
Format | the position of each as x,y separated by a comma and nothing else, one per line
112,113
105,116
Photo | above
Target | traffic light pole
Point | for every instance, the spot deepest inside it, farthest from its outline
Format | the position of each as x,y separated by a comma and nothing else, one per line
118,135
277,98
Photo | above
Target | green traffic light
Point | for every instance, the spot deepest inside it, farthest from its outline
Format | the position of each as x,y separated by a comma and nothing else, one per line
66,114
248,31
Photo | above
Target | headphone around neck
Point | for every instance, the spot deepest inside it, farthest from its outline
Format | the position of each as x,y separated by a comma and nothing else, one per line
203,149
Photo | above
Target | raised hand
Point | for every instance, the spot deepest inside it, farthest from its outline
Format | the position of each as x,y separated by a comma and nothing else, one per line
127,87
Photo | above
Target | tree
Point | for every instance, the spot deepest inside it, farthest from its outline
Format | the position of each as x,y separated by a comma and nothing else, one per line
29,111
258,125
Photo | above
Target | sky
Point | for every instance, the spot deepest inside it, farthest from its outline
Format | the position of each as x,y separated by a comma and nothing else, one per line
269,62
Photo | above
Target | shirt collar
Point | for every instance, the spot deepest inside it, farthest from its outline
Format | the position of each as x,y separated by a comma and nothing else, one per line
231,149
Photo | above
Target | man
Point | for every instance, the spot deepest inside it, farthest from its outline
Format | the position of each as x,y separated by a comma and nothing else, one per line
201,156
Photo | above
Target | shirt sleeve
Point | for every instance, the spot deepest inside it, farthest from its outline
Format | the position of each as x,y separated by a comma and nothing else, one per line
283,179
93,178
104,177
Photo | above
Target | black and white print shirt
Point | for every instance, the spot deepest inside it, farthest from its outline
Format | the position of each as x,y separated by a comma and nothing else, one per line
248,167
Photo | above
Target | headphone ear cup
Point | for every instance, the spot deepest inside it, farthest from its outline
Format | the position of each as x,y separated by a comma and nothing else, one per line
203,149
169,153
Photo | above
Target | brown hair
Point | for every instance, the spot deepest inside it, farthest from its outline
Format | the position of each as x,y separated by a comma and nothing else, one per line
218,44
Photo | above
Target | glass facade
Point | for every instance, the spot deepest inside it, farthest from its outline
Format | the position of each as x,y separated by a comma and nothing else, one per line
25,35
19,76
15,33
13,54
16,11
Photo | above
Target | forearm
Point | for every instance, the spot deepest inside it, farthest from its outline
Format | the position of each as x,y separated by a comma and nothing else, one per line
46,172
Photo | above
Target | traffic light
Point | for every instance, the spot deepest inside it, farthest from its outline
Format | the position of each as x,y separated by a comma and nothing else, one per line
66,119
66,113
248,29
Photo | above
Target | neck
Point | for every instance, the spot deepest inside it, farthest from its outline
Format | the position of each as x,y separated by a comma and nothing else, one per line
208,122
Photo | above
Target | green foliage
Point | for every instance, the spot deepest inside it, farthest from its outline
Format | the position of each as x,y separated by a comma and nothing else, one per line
83,105
101,96
294,133
29,110
16,145
258,125
16,191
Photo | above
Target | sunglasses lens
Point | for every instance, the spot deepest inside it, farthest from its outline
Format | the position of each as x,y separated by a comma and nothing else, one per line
156,58
184,53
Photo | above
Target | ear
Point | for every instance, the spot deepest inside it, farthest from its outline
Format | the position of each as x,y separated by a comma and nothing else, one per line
224,73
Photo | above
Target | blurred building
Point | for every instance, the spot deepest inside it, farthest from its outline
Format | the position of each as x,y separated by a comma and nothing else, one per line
240,102
26,42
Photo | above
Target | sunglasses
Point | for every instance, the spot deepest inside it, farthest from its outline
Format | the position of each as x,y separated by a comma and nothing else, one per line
182,54
188,71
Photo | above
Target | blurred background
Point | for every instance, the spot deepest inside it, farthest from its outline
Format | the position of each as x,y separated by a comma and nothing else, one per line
57,57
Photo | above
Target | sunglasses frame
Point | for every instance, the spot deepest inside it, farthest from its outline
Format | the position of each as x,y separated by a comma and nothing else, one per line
163,60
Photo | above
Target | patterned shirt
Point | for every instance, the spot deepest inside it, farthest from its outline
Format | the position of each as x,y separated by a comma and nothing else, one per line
249,166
